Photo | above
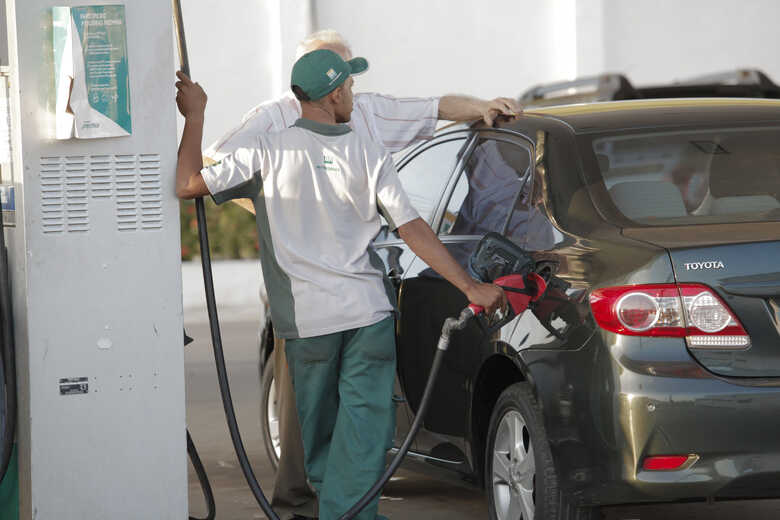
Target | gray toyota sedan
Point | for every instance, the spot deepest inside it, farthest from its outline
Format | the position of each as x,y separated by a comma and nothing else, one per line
650,369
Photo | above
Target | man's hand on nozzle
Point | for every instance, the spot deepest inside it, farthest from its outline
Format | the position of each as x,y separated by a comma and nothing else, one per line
487,295
190,98
500,106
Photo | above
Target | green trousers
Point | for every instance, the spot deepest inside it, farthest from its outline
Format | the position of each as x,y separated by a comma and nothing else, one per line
344,394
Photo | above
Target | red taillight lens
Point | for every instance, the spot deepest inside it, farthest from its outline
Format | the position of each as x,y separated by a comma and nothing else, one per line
665,462
691,311
637,311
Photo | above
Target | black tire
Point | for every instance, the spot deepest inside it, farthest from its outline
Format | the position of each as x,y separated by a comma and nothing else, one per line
517,415
266,387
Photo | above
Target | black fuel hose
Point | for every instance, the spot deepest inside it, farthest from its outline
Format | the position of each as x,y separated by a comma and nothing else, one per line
8,357
211,306
205,485
219,359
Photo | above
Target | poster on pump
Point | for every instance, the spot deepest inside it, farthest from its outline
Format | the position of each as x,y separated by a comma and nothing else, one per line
91,72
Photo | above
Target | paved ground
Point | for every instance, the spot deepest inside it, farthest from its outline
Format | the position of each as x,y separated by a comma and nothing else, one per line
409,496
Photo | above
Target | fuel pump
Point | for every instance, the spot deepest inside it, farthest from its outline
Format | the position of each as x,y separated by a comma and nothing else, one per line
88,154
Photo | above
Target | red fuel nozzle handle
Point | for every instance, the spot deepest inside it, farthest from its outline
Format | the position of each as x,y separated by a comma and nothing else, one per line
521,291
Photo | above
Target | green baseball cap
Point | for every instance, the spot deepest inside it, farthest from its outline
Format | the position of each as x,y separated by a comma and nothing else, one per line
320,72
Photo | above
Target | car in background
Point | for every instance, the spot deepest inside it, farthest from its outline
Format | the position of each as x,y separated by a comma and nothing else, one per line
650,369
741,83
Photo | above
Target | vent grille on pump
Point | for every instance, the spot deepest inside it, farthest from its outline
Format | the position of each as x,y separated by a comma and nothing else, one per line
52,200
101,176
70,183
151,194
126,192
76,201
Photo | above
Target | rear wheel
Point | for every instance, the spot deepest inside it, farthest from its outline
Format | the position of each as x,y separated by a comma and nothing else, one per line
519,473
269,414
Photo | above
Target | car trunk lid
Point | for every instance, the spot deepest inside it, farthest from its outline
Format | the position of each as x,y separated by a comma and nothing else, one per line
746,277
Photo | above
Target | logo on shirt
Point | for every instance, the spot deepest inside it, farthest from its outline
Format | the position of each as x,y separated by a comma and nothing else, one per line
329,163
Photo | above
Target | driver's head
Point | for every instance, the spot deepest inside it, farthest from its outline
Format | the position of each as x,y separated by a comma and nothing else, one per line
325,39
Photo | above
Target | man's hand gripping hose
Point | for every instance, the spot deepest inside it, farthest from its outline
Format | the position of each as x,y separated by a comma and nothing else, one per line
531,287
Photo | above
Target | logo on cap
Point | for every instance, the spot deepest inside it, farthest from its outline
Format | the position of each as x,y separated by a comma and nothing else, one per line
332,74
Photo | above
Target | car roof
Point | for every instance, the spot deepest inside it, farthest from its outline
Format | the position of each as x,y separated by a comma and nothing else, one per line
654,113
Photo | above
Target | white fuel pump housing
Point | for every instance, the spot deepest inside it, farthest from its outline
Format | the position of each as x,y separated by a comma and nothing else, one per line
96,275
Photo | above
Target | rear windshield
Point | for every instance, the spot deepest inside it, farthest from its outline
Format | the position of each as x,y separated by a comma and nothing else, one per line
692,177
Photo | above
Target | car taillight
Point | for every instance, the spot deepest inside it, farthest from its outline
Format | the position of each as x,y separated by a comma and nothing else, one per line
689,311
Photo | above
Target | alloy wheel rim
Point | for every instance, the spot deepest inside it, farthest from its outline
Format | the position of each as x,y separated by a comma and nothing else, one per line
272,416
514,469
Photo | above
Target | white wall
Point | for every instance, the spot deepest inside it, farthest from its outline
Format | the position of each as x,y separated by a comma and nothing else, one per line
430,48
242,50
660,40
231,51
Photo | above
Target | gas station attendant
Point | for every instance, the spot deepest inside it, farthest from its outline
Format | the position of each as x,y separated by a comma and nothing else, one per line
318,189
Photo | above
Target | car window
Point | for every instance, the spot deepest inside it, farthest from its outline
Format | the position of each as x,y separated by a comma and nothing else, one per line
487,196
428,172
692,177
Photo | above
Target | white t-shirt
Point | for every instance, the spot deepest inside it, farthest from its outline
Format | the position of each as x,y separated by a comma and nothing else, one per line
393,123
317,190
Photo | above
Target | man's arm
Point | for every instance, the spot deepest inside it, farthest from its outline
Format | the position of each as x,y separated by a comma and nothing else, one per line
191,100
456,107
399,122
419,236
